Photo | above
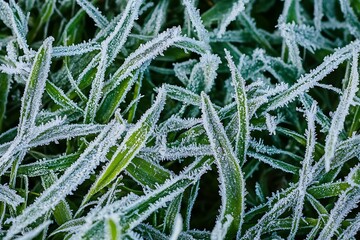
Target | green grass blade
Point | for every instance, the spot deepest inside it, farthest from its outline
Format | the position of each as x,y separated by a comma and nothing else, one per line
242,137
309,80
113,99
134,140
68,182
94,13
338,119
232,184
35,87
62,212
59,97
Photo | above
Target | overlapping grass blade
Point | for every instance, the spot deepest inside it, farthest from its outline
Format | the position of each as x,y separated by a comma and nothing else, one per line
134,140
242,137
307,81
338,119
94,13
69,181
31,101
134,212
232,184
109,49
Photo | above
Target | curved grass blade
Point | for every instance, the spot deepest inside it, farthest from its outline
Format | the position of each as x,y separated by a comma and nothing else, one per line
137,210
35,86
147,173
243,133
78,49
307,81
134,140
230,16
115,97
143,54
60,98
14,18
232,184
274,163
272,213
94,13
110,47
194,15
46,167
31,101
306,173
338,119
70,180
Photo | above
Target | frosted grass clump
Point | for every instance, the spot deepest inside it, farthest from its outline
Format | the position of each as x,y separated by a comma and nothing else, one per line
180,119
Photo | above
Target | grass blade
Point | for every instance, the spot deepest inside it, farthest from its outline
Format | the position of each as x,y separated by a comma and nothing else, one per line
242,137
68,182
232,184
134,140
338,119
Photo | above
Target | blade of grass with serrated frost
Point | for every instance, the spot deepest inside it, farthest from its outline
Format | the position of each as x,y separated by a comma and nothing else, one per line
32,234
306,171
209,64
242,137
157,19
351,18
65,131
351,231
232,184
110,47
288,35
47,166
94,13
61,212
183,95
70,180
18,24
9,196
134,212
116,40
31,101
338,119
273,213
274,163
144,53
346,202
97,84
60,98
235,10
194,15
117,96
134,140
35,86
78,49
192,45
308,81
